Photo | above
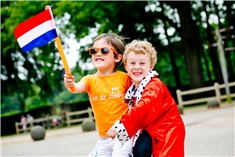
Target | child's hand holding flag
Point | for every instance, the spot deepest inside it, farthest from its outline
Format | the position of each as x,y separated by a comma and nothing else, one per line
38,31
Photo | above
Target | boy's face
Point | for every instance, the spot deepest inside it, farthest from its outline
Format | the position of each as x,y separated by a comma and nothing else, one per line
137,66
104,63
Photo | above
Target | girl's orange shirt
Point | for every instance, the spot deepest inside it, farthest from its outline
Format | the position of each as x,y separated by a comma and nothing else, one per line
106,95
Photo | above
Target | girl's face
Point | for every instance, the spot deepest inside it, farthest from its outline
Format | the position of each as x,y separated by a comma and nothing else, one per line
137,66
104,63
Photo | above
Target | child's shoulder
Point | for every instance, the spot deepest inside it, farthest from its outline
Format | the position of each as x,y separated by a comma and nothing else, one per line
89,77
121,73
156,81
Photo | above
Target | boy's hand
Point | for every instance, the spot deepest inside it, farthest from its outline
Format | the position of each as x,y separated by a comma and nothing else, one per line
112,133
69,81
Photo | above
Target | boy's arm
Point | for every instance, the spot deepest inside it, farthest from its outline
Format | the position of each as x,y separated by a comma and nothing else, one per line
147,110
119,130
69,82
140,116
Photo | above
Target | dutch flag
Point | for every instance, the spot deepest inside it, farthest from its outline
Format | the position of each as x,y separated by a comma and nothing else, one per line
36,31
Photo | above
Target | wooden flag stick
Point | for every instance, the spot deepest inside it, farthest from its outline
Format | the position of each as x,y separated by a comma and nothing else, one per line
62,56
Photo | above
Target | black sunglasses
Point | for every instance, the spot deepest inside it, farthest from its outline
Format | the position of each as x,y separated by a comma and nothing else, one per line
103,50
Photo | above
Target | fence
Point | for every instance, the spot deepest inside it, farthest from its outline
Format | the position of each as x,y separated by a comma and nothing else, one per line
216,88
48,120
30,124
69,115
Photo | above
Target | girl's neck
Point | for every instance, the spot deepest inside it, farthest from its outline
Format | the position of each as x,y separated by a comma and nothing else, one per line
105,73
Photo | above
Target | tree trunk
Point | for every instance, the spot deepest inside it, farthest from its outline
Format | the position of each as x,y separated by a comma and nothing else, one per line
172,57
191,44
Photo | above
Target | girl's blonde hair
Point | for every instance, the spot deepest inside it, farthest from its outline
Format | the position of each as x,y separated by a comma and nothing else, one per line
141,47
116,41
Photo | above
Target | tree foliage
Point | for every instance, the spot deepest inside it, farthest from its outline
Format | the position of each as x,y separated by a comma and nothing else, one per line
178,30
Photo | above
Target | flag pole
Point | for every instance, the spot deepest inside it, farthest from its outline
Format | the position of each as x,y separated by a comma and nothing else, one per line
62,56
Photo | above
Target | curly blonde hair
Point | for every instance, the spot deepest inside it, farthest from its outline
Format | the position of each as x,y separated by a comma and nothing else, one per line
141,47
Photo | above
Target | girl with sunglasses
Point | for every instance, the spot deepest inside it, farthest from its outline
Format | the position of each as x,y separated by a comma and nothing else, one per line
153,108
106,89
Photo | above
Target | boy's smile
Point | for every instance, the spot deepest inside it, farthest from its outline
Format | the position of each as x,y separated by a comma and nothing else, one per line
137,73
99,59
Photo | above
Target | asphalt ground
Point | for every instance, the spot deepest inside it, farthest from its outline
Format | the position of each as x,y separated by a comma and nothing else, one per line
209,132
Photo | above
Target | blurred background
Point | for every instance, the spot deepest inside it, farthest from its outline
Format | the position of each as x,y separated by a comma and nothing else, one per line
182,32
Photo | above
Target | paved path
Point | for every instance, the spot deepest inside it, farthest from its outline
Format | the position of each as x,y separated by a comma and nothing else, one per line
209,133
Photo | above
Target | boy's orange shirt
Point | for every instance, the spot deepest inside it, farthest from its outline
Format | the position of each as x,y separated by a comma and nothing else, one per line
106,94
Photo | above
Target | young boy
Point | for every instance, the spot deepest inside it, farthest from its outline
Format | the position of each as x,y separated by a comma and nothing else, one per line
153,108
106,89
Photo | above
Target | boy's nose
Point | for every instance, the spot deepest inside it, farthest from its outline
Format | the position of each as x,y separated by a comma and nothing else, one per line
136,66
99,52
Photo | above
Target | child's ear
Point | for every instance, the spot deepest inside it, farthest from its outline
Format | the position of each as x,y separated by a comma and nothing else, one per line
118,58
124,65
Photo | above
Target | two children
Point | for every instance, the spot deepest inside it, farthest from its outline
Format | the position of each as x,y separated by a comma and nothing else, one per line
106,89
153,108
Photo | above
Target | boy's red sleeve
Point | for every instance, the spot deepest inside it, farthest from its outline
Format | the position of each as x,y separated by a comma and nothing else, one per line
147,110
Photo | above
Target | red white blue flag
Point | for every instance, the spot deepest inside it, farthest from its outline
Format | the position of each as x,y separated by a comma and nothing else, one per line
36,31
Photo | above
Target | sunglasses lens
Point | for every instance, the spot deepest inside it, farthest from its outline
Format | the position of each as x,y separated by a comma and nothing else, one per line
93,51
105,50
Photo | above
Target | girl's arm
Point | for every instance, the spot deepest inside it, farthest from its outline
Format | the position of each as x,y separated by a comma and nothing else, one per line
69,82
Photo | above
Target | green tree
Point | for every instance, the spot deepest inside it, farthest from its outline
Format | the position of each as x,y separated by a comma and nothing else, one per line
182,59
